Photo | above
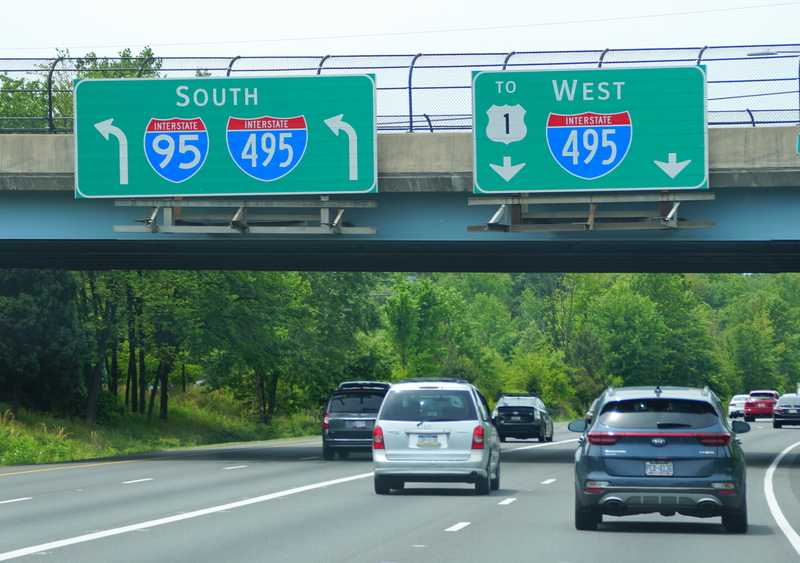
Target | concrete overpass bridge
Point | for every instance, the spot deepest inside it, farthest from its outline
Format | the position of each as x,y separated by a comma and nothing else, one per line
425,216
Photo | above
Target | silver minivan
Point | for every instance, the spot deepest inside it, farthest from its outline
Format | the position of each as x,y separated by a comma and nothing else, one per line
435,431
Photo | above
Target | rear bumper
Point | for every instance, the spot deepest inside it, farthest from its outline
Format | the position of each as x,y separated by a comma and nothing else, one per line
531,430
433,471
701,501
353,444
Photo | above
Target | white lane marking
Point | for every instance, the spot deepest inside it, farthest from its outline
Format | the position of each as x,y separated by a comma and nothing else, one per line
137,481
15,500
457,527
783,523
548,481
541,445
234,467
170,519
507,501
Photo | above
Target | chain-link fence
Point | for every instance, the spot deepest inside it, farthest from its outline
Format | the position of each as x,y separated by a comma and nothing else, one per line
748,86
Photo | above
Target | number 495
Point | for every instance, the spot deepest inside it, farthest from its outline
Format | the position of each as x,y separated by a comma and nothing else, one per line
590,141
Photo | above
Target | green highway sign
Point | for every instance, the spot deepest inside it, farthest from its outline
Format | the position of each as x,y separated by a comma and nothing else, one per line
590,130
172,137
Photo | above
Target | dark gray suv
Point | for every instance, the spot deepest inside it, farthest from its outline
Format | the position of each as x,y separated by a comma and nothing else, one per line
349,417
660,450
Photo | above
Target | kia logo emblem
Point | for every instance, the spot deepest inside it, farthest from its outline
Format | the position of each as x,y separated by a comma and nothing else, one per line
658,442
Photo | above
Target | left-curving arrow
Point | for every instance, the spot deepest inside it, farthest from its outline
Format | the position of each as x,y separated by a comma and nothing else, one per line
107,129
336,124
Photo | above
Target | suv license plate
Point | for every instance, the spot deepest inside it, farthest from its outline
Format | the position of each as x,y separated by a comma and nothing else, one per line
424,440
658,468
516,419
359,424
762,404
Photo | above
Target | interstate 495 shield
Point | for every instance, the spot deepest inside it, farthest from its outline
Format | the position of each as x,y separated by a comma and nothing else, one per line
618,129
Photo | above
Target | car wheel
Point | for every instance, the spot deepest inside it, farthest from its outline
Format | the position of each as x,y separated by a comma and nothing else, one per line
328,454
586,519
495,482
344,454
543,434
748,418
736,523
502,438
398,485
483,484
776,424
552,434
382,486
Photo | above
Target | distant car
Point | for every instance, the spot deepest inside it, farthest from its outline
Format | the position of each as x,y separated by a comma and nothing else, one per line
435,431
736,406
786,410
667,450
521,416
349,417
759,404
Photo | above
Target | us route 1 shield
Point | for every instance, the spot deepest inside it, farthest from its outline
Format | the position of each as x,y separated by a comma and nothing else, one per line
615,129
175,137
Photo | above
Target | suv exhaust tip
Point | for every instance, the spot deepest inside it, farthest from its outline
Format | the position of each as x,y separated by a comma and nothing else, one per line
614,504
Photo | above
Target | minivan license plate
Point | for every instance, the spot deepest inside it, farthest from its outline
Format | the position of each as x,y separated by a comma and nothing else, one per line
658,468
424,440
359,424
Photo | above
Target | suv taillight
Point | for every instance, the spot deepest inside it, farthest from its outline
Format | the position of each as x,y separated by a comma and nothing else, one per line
603,438
325,420
478,441
714,438
377,438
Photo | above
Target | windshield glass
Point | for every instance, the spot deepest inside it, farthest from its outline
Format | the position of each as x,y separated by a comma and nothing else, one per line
356,402
658,413
793,400
429,405
761,396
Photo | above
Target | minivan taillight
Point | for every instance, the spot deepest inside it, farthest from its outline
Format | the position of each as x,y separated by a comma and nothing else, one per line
603,438
377,438
478,441
325,420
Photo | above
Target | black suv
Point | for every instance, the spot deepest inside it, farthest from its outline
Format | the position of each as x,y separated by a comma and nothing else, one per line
523,415
349,417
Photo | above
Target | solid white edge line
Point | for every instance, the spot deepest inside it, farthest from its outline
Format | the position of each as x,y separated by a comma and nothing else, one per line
457,527
772,502
15,500
177,518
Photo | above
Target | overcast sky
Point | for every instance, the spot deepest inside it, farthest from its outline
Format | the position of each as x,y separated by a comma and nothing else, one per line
378,27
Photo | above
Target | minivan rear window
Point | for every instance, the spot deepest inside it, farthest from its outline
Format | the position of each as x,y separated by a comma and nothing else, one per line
421,405
356,402
657,413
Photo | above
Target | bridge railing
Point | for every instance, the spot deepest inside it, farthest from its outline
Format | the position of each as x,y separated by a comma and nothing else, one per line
748,86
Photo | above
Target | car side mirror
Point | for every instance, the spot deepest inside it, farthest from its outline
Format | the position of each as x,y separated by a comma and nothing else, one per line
740,427
581,425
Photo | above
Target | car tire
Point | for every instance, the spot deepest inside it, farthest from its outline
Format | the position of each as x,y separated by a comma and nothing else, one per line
736,523
397,485
748,418
494,484
328,454
543,434
382,485
344,454
552,434
483,485
586,519
502,438
776,424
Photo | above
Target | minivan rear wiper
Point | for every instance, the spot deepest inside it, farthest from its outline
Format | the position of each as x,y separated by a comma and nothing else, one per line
673,425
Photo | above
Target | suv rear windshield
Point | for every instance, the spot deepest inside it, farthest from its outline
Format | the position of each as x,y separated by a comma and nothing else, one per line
762,396
356,402
429,405
658,413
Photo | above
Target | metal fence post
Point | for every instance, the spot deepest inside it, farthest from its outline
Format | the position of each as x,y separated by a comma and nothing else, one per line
52,127
410,96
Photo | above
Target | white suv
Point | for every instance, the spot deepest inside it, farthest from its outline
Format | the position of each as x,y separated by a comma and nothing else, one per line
435,431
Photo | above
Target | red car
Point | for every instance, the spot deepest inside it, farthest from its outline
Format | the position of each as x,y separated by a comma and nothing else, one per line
759,404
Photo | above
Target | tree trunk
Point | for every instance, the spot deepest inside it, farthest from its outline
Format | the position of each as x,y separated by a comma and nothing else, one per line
165,369
260,398
133,379
153,396
94,392
142,378
273,392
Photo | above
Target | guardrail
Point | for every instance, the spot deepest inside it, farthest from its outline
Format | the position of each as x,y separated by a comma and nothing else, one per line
748,86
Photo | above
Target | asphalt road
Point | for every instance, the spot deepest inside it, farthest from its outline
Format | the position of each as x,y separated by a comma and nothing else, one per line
280,502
